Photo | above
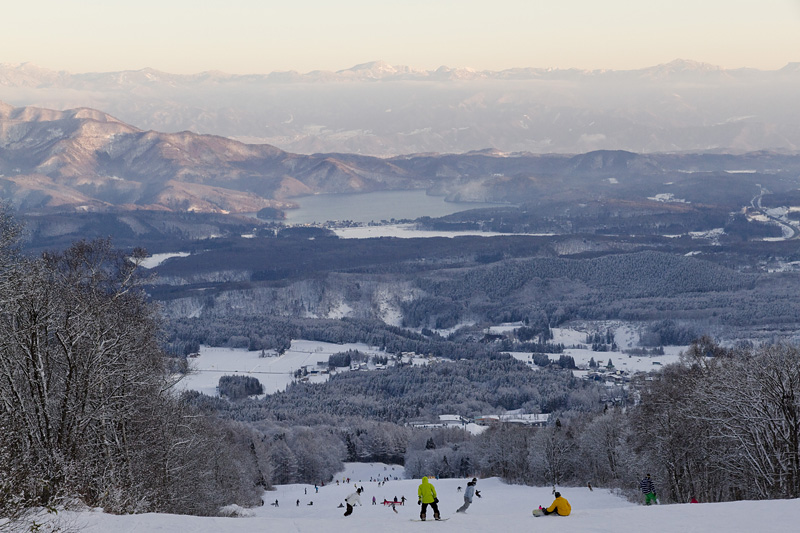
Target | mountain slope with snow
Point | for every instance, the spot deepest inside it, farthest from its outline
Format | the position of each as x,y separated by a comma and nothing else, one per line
502,507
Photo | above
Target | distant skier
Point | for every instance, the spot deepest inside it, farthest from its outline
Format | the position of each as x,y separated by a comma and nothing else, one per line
427,496
468,494
560,506
354,498
648,488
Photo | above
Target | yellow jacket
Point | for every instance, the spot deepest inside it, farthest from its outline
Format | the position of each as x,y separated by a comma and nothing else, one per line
561,506
426,491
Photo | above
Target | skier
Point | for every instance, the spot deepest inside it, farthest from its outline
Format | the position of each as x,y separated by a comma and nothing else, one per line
374,501
354,498
560,506
648,488
427,496
468,496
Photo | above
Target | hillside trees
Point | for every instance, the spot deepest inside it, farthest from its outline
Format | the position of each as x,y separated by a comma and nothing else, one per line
238,387
504,452
675,439
606,452
86,406
754,401
726,427
552,454
77,364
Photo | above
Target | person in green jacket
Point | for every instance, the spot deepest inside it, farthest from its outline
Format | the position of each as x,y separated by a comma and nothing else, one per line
427,496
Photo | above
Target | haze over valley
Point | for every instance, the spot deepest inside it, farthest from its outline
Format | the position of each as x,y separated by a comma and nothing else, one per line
381,109
239,264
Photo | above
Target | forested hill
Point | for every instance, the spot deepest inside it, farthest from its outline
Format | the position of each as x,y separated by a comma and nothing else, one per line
404,393
642,274
454,286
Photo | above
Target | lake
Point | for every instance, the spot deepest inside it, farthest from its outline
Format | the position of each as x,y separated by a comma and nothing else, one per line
375,206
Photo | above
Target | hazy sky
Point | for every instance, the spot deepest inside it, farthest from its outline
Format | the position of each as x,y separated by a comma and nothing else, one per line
260,36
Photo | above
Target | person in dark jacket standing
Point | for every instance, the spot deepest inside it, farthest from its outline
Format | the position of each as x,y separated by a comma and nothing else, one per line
468,494
648,488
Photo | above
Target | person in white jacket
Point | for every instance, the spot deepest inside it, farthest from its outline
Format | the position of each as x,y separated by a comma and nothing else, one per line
351,500
468,494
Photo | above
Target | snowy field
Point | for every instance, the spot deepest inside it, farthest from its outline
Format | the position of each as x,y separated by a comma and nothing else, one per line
156,259
274,372
629,363
410,231
625,336
502,507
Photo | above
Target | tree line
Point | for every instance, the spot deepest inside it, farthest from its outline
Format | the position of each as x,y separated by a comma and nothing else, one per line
87,407
721,425
718,428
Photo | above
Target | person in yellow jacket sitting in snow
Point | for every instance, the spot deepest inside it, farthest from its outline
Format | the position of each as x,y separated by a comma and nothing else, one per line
427,496
560,506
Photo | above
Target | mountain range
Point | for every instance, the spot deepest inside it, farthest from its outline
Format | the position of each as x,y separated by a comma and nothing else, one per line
84,159
379,109
87,160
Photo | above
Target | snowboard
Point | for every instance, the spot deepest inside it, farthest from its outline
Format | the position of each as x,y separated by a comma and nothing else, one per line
538,512
431,520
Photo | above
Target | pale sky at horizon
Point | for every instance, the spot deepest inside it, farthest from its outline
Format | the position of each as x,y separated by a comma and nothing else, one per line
252,36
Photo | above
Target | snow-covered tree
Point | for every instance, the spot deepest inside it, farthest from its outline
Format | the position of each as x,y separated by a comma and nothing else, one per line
87,408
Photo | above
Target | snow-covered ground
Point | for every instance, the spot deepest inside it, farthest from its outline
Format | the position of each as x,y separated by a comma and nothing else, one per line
502,507
274,372
621,361
410,231
625,336
156,259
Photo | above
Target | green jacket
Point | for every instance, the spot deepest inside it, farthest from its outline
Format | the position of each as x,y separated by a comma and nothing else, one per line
426,491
